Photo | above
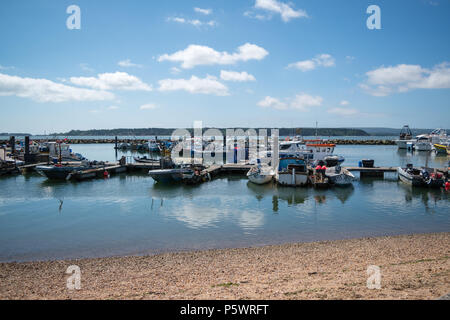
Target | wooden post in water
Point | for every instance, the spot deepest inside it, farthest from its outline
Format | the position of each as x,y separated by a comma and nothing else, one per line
12,143
27,150
115,143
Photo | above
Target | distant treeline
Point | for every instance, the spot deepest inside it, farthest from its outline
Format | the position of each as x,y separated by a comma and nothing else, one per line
393,132
169,131
14,134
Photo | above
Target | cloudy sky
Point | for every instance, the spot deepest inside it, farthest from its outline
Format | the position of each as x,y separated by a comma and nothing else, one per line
257,63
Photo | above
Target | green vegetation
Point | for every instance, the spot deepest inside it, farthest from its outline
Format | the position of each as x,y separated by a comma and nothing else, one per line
168,131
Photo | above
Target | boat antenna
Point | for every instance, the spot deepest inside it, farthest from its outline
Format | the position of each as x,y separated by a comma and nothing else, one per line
316,128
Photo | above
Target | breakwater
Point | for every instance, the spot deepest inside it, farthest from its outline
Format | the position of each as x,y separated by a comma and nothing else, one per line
138,141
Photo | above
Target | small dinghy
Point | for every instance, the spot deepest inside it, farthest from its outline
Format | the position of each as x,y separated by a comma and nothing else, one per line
339,176
261,173
145,160
423,177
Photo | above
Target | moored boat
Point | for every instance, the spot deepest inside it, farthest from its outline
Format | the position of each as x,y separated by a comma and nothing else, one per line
60,171
144,159
261,174
423,177
292,171
405,138
339,176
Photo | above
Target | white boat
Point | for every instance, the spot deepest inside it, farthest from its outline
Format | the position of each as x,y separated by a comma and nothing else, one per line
153,146
423,143
62,152
405,138
439,136
292,172
261,174
309,150
339,176
423,177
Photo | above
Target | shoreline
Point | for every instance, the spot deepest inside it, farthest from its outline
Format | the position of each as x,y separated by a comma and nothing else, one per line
385,142
413,266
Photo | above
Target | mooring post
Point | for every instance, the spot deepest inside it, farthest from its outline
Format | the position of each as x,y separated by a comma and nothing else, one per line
116,143
27,149
12,143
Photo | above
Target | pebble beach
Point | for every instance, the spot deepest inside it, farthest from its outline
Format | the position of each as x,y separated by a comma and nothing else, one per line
412,267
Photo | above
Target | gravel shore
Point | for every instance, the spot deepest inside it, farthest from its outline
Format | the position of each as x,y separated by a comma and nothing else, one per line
412,267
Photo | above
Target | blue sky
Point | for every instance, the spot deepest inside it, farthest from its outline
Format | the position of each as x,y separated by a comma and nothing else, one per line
257,63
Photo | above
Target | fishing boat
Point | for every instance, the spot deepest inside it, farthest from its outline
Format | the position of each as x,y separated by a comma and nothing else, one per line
61,152
319,178
310,150
144,159
61,171
292,171
339,176
405,138
261,173
153,146
180,173
423,177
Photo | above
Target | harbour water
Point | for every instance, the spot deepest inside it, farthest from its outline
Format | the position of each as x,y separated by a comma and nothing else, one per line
130,214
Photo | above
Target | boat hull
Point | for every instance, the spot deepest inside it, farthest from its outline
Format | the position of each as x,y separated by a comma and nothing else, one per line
260,178
441,149
343,178
403,144
169,175
57,173
292,179
425,146
409,179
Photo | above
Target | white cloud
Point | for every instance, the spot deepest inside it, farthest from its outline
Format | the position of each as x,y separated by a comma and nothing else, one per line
402,78
203,11
5,67
127,64
85,67
148,106
112,108
236,76
194,22
320,60
174,70
270,102
344,103
343,111
112,81
285,10
43,90
208,85
301,102
195,55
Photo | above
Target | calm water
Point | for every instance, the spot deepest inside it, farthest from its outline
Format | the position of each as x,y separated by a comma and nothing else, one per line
130,214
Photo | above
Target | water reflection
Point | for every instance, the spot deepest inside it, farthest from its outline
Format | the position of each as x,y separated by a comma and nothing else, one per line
427,196
297,196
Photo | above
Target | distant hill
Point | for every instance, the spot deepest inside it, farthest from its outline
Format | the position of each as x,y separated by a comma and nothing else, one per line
393,131
14,134
168,132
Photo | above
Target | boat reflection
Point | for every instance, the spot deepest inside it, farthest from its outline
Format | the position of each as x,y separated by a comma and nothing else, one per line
298,196
427,196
